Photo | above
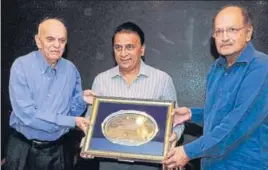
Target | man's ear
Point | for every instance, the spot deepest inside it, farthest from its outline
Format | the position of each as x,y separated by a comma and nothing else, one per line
249,32
143,50
37,41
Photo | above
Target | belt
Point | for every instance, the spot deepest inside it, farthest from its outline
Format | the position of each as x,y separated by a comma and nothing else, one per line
35,142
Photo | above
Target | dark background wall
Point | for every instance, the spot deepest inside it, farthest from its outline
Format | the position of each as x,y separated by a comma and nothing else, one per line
177,33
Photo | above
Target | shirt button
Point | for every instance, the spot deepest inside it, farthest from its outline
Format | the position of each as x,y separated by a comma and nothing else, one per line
225,74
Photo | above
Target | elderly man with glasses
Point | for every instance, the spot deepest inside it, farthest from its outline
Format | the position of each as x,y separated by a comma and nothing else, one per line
235,115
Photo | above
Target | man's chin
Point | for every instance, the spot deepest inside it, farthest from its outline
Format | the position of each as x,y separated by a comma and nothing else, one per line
124,67
226,53
54,57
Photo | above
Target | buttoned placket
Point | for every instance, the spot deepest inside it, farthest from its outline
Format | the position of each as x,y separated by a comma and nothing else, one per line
51,77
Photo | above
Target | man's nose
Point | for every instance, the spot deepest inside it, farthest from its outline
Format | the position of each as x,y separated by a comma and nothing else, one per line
225,36
56,44
124,52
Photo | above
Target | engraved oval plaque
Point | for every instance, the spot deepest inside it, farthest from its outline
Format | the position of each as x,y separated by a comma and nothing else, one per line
129,127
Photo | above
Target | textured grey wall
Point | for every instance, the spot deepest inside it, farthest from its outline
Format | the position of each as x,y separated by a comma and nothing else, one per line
177,37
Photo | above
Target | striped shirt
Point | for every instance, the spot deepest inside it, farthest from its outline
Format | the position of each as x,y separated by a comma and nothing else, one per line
151,83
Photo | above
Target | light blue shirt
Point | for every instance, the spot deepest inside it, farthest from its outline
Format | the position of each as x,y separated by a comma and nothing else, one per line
235,115
45,101
151,83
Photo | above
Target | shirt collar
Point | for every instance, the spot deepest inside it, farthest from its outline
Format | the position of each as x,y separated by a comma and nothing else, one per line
246,55
144,70
43,63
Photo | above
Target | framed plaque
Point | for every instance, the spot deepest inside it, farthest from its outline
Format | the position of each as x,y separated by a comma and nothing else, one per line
129,129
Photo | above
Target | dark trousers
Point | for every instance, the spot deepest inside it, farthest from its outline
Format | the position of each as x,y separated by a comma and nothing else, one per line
24,154
116,165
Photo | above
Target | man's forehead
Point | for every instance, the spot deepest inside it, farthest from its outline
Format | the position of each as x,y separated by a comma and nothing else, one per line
229,16
127,38
52,26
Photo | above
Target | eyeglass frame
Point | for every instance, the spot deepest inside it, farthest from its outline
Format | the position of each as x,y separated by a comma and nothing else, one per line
228,31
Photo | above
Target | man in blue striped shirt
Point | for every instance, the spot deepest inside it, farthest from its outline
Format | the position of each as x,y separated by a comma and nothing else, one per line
47,101
132,78
235,115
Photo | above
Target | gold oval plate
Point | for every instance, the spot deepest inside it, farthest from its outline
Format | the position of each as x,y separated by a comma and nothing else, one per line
129,127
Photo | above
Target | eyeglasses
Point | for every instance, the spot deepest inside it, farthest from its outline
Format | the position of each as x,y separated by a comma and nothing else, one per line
230,31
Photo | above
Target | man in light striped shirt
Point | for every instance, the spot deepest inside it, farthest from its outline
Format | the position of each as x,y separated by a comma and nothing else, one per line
132,78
